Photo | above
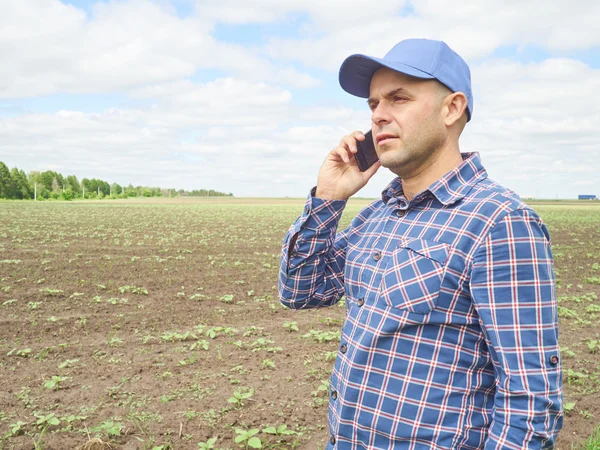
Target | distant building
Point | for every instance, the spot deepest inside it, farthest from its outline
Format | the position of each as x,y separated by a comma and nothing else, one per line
587,197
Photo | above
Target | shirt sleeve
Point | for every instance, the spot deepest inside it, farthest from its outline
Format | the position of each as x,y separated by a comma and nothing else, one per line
513,288
311,272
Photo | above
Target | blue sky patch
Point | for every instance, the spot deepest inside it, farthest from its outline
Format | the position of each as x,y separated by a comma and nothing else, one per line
289,27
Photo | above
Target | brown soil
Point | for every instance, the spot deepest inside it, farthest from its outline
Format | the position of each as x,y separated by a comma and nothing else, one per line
126,358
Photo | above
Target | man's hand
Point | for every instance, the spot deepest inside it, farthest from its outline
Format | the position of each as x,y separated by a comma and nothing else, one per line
339,177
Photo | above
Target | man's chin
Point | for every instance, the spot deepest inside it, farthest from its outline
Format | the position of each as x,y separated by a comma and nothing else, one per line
394,164
390,161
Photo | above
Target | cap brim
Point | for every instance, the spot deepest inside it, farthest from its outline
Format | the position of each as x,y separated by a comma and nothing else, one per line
356,72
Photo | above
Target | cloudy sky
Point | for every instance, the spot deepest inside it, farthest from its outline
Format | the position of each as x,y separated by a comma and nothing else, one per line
242,96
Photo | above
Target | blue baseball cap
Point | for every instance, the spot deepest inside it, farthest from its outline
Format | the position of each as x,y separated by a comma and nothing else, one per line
420,58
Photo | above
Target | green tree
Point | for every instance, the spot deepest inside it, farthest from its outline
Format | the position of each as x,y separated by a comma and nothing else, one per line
5,181
72,183
86,187
131,191
116,189
20,188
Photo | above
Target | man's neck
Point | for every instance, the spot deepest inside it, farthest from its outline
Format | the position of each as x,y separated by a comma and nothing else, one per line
433,170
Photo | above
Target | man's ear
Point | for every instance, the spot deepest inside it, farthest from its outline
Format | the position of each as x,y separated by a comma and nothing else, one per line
454,107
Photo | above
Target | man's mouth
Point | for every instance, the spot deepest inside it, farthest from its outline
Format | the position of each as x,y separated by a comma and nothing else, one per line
383,138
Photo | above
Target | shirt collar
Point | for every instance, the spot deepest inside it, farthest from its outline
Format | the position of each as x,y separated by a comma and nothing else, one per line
452,187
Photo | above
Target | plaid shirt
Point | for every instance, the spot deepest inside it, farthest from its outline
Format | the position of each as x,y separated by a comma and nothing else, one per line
451,332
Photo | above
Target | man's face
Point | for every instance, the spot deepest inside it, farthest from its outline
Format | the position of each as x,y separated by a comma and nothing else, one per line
407,123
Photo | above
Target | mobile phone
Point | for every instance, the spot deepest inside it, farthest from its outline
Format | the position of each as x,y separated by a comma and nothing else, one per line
366,155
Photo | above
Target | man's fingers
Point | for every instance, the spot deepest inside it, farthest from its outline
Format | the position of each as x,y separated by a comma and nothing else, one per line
349,141
359,135
343,153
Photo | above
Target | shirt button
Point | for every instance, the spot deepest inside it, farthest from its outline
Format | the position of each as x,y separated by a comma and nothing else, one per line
400,213
334,395
332,440
377,256
361,301
293,254
554,360
343,348
307,209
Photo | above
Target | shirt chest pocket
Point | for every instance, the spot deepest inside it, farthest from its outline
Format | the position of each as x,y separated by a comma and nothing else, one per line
412,279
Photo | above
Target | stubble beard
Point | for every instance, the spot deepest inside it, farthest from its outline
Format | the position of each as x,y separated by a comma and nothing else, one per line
409,155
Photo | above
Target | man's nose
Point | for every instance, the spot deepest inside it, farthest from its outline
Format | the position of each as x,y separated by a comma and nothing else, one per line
380,114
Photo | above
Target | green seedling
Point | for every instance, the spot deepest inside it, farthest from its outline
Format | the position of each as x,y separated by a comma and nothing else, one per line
592,309
70,419
247,439
202,344
50,291
253,331
566,312
16,429
190,415
330,356
43,423
569,407
321,389
55,382
208,445
68,363
115,342
268,363
109,427
261,344
323,336
23,353
172,336
280,431
240,396
592,280
593,345
290,326
226,298
133,290
575,377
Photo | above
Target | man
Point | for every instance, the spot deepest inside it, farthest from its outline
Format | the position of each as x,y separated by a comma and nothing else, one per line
450,339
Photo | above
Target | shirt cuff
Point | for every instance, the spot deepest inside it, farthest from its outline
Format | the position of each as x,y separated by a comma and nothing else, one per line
319,214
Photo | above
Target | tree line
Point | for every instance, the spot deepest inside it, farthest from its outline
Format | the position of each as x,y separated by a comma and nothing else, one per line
16,184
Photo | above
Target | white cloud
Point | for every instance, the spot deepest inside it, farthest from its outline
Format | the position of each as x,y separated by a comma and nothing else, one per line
252,139
48,47
473,28
535,124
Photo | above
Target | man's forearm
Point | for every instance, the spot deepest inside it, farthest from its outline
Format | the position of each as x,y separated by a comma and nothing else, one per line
312,258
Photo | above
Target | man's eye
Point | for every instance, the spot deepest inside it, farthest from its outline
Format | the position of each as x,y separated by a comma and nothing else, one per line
398,98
